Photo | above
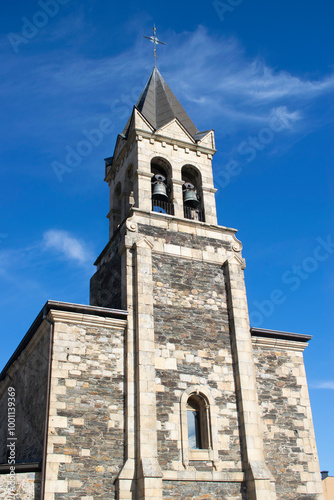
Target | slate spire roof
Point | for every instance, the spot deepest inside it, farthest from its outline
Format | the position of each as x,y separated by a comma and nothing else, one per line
159,105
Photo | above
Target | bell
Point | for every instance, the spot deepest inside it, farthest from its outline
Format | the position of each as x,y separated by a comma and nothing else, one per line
159,188
189,196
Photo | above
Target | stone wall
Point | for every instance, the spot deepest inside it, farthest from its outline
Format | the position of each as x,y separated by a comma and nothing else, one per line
86,426
193,348
189,239
202,490
289,442
105,284
28,376
27,486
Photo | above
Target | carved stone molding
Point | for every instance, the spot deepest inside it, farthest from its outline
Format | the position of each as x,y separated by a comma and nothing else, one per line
131,225
236,244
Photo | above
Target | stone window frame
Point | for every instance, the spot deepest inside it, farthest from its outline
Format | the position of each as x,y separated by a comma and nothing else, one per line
197,407
210,432
163,167
191,173
116,210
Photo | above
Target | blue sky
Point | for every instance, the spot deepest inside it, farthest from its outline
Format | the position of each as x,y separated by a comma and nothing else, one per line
261,74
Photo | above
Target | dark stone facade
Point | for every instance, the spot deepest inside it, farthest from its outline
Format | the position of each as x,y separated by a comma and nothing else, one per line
182,239
191,323
203,490
286,420
30,384
105,284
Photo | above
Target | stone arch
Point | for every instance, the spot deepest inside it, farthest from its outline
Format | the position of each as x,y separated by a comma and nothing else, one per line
203,402
128,195
162,167
117,208
192,175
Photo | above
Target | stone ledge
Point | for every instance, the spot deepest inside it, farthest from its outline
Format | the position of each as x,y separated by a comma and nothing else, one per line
272,343
277,334
86,319
223,476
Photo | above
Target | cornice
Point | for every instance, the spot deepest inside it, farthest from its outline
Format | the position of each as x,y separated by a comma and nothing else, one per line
278,334
183,222
278,344
209,190
193,475
86,319
192,146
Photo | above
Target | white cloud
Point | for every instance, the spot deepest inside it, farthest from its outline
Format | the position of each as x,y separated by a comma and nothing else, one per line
200,65
215,74
70,247
219,85
285,116
323,385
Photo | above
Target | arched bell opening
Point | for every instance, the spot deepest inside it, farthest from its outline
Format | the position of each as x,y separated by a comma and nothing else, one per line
192,193
116,212
128,199
161,186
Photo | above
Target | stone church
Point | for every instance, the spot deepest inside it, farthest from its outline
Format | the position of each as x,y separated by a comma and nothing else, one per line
159,389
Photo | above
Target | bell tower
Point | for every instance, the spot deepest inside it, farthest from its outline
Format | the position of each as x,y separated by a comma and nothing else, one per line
162,166
161,161
192,425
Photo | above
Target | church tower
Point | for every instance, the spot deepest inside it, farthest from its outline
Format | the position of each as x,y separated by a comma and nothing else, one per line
159,389
193,422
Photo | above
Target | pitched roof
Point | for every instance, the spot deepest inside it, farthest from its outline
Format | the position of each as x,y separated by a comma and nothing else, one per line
159,105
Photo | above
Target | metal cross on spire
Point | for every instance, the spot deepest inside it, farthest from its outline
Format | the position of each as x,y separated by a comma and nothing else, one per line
154,39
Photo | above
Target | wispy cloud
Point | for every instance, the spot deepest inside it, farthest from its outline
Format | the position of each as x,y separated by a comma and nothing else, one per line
58,265
236,81
34,257
192,59
216,81
66,245
323,385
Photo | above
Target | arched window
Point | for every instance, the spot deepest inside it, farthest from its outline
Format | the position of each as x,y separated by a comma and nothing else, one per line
197,423
162,190
116,210
192,193
128,199
199,434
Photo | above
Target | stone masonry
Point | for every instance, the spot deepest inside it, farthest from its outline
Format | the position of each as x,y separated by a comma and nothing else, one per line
86,412
85,416
28,378
108,393
190,306
289,440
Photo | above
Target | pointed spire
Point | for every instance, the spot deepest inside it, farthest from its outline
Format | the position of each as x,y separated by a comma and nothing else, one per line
159,105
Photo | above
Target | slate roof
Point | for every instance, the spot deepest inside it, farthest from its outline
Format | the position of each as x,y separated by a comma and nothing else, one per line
159,105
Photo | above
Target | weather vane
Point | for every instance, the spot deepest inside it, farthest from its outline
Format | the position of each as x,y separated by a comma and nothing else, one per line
154,39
